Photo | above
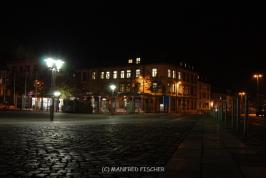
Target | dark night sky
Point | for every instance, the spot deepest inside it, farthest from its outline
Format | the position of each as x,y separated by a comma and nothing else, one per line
224,42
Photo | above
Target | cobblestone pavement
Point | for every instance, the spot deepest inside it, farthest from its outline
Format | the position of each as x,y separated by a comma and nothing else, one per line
84,148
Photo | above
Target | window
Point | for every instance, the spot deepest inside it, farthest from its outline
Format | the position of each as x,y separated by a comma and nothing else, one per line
102,75
27,68
137,72
122,87
14,69
130,61
107,75
137,60
169,73
127,87
179,76
35,68
93,75
174,74
122,74
84,76
115,74
154,86
154,72
128,73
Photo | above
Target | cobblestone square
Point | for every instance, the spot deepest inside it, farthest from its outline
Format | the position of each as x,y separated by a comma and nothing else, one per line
82,146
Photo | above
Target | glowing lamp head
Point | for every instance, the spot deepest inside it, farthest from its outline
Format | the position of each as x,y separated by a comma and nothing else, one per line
57,93
59,63
49,62
112,87
257,76
242,93
54,63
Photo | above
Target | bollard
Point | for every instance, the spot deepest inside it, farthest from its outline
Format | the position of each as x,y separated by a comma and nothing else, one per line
225,115
232,114
237,114
246,116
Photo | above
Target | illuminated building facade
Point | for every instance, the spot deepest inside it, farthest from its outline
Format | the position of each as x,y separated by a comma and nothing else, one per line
144,88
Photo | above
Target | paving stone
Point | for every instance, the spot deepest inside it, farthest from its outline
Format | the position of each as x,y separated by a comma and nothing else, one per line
81,149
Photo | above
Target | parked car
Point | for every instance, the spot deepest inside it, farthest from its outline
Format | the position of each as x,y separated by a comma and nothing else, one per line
261,113
3,106
7,107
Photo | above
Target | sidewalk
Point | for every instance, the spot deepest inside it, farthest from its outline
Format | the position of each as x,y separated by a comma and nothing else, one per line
210,151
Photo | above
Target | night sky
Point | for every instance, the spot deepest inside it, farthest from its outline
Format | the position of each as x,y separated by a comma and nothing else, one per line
225,42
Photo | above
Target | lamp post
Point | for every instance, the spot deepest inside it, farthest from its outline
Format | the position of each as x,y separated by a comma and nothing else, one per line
112,87
257,77
57,94
142,96
241,94
176,94
54,65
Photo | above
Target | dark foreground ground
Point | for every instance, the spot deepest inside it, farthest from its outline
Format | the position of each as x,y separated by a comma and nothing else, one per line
88,145
140,145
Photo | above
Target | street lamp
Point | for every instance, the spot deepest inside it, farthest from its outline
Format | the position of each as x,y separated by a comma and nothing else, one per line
176,93
257,77
54,65
241,94
142,96
112,87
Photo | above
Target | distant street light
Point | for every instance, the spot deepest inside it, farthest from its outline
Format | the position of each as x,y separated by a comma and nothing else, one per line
54,65
177,84
241,94
112,87
142,96
57,93
257,77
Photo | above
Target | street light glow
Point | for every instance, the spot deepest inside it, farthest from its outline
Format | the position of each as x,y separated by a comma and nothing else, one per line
57,93
49,62
241,93
257,76
59,63
112,87
54,63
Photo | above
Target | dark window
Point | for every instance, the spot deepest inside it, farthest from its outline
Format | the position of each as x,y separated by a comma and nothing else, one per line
84,76
27,68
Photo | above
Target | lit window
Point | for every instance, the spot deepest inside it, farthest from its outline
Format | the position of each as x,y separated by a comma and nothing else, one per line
169,73
122,87
174,74
137,60
107,76
115,74
122,74
127,89
154,86
179,76
154,72
93,75
137,72
130,61
102,75
128,73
